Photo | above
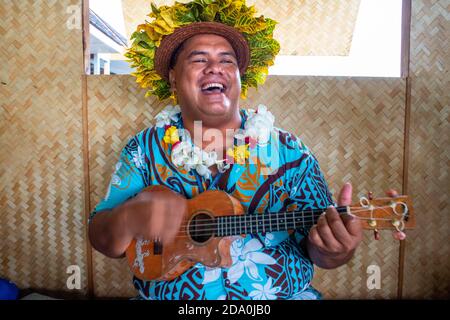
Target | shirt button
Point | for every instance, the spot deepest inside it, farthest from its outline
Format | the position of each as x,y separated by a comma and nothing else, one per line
227,282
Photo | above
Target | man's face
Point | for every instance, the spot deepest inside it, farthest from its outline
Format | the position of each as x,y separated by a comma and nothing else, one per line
206,79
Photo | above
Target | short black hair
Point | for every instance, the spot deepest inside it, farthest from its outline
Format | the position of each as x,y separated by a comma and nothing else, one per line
175,55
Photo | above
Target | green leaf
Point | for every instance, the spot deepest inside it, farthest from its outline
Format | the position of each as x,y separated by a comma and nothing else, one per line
154,8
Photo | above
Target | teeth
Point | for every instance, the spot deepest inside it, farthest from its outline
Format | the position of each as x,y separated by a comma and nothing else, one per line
211,85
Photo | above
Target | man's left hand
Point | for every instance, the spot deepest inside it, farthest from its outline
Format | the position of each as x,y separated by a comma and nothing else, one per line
333,240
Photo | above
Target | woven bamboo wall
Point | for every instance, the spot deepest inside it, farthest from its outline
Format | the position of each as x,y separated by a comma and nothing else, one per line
427,272
354,126
41,163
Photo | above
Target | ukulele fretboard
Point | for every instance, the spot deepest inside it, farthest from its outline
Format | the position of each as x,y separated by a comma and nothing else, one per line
267,222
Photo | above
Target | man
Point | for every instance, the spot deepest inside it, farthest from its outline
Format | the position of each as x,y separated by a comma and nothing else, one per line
204,65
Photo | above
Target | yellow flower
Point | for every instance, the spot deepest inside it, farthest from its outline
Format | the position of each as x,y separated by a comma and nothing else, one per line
239,154
171,135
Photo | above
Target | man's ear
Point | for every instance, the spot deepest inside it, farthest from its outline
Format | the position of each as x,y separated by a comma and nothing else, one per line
172,82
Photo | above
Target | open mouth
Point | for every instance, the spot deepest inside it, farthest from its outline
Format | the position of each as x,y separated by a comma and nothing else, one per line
213,87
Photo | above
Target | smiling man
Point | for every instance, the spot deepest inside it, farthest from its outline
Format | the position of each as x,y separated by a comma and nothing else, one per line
206,67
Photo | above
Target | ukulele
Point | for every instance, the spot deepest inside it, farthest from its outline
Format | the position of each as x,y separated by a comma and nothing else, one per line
214,219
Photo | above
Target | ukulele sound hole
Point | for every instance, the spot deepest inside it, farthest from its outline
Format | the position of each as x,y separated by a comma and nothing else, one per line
201,228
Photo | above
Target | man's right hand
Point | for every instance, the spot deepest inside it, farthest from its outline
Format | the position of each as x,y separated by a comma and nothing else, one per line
155,213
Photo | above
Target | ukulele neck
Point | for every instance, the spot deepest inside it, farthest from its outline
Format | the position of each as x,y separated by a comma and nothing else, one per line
268,222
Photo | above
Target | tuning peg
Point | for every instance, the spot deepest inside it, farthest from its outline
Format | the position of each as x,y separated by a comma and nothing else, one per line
370,195
399,235
376,234
392,193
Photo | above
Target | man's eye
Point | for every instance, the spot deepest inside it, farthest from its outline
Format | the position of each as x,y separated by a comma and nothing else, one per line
200,60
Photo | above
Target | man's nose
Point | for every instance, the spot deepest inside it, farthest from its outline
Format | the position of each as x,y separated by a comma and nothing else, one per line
213,67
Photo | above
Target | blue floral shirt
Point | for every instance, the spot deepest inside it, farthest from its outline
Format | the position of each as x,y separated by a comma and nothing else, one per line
272,265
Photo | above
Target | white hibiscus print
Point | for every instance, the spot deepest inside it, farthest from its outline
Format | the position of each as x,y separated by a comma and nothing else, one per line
269,238
265,292
211,275
245,258
115,180
305,295
138,158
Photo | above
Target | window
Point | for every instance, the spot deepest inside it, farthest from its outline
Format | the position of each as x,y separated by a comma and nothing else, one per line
375,48
370,44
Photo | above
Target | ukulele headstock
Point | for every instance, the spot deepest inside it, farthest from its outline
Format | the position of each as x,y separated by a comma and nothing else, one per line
394,213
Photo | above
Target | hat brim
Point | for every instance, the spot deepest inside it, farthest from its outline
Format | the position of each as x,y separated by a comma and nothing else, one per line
171,42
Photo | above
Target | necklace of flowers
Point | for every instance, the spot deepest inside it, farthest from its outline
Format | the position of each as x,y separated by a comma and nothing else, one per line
185,154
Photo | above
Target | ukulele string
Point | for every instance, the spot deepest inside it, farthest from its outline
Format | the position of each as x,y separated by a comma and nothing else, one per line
304,217
213,226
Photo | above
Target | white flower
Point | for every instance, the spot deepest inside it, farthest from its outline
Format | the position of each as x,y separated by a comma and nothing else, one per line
211,275
181,153
259,124
203,170
265,292
209,158
196,156
222,166
170,113
245,257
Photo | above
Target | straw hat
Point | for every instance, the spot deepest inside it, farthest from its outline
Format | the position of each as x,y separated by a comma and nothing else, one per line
171,43
154,42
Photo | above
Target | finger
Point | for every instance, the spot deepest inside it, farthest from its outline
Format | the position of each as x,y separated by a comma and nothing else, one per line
337,226
171,224
157,222
178,219
345,195
326,235
314,238
353,226
392,193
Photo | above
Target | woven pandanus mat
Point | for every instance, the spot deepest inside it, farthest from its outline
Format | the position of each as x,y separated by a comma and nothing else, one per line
41,164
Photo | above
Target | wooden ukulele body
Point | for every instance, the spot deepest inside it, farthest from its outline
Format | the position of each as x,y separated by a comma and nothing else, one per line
177,257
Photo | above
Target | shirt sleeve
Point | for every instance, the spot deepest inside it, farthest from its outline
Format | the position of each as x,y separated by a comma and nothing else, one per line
130,176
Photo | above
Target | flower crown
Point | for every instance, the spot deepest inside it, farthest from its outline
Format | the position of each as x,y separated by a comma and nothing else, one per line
258,32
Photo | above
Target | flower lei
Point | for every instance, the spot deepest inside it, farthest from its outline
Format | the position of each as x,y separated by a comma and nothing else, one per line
185,154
